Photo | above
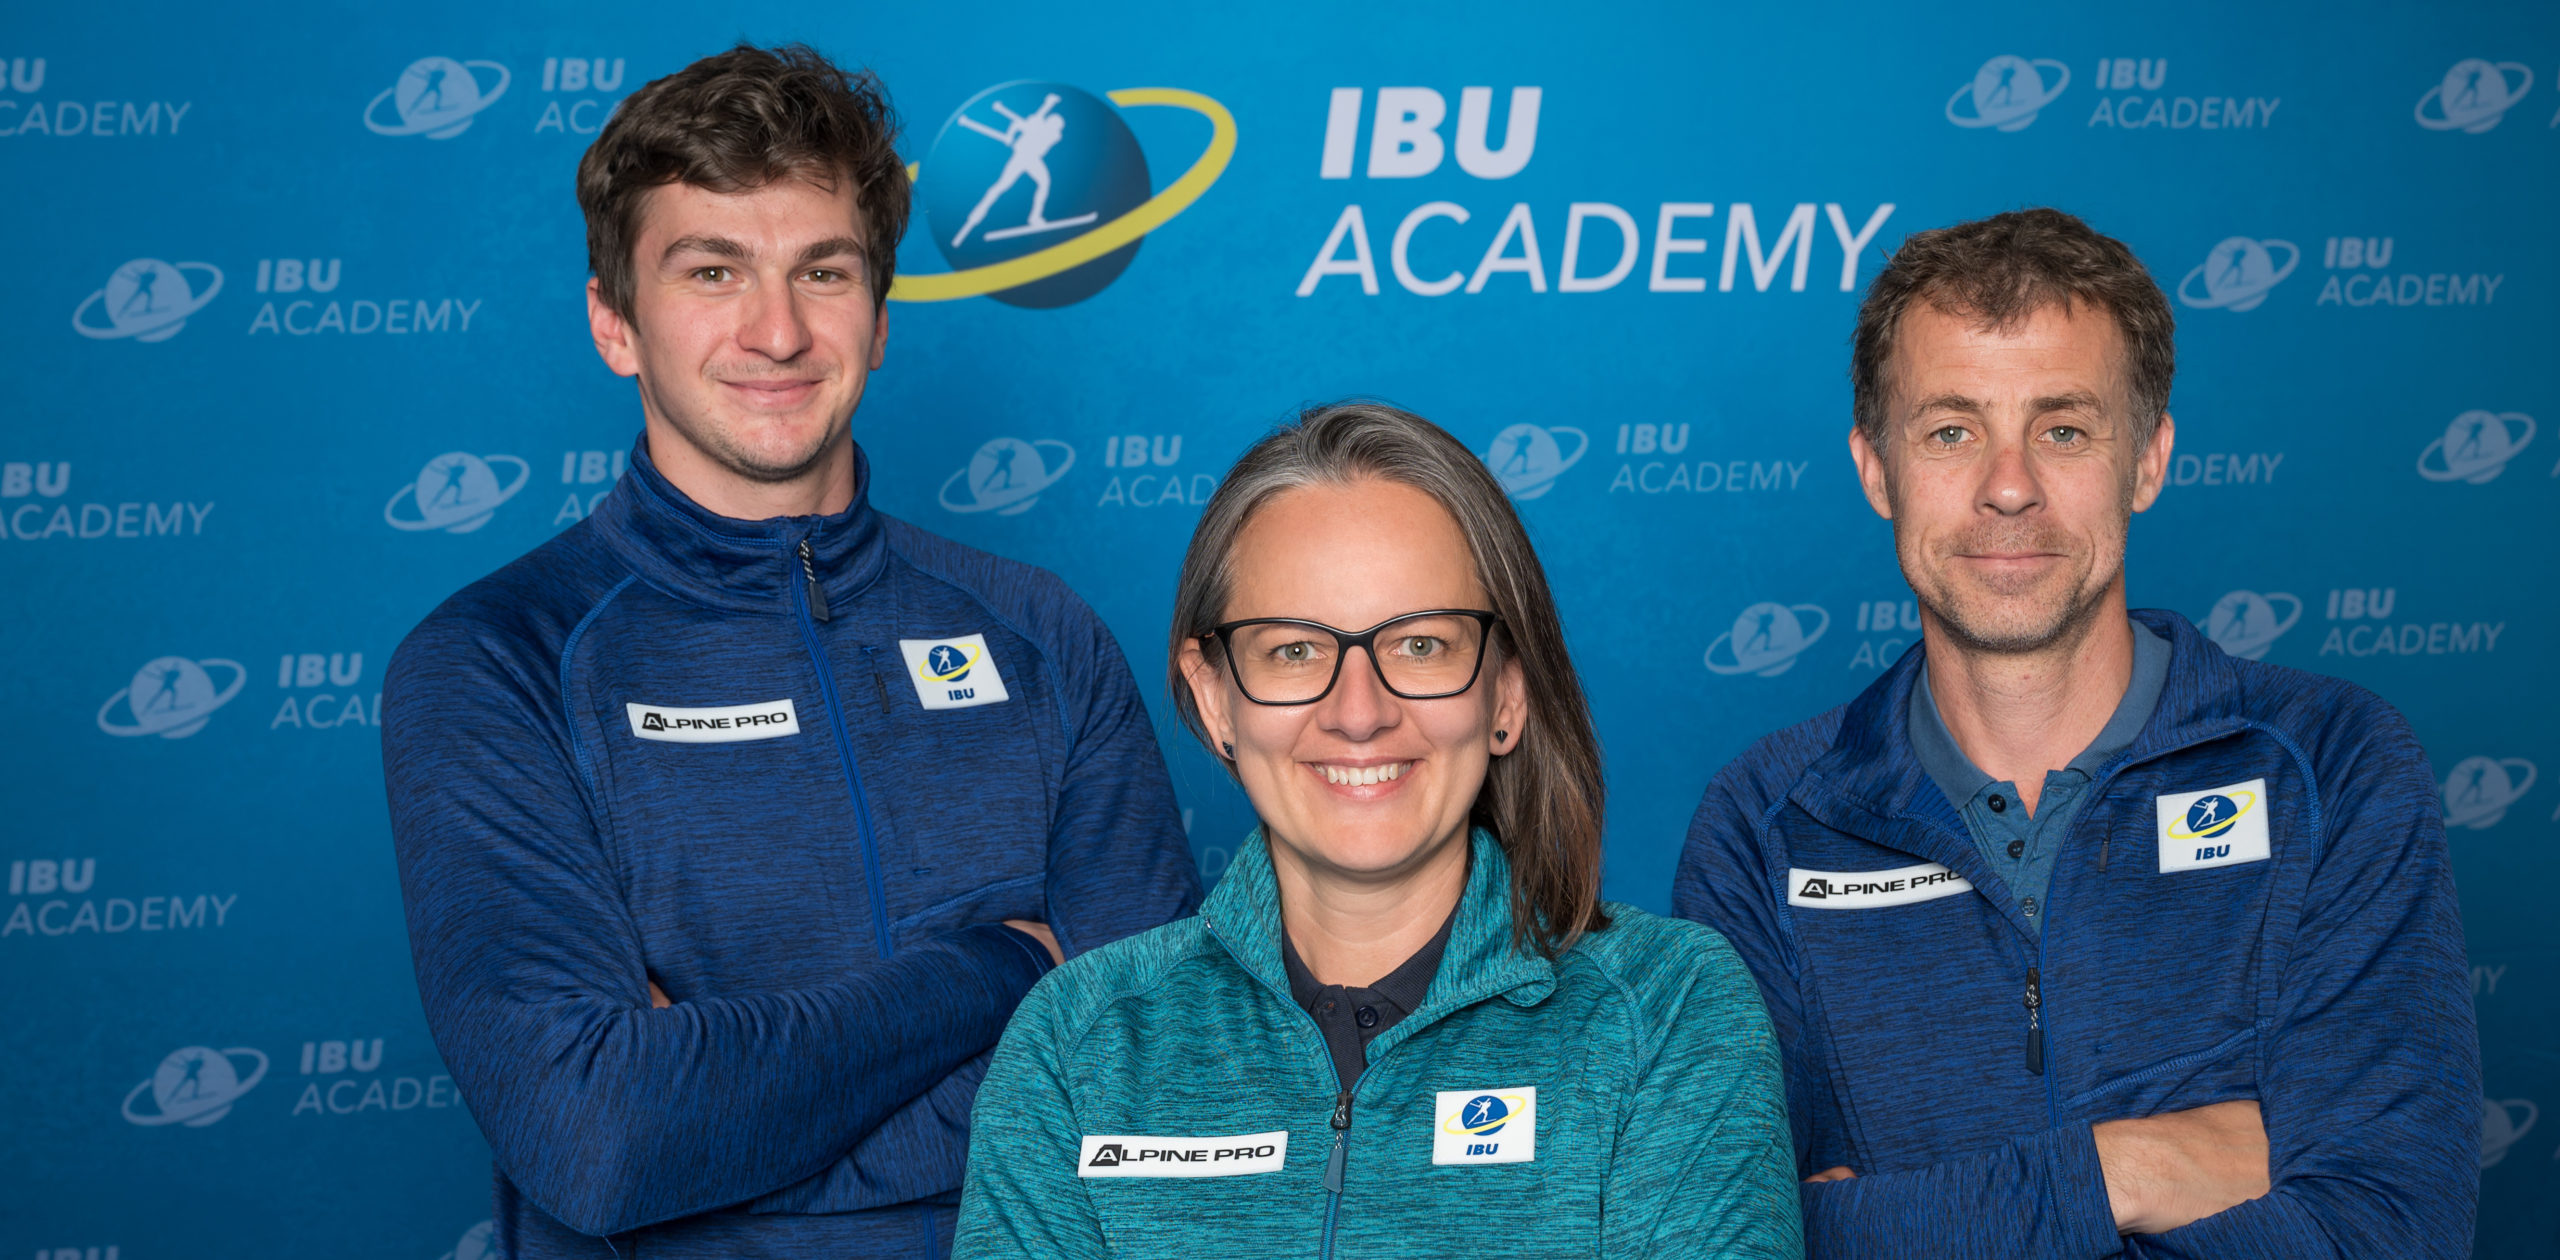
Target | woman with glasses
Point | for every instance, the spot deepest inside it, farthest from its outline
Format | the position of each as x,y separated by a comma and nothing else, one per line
1404,1024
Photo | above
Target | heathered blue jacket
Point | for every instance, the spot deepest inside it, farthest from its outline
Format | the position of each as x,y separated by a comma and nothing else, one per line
672,745
2296,943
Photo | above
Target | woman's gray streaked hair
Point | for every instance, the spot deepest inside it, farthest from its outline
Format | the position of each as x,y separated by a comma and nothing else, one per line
1543,800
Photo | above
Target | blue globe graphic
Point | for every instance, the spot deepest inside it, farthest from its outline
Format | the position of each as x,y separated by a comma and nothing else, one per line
2211,816
1483,1115
1025,166
948,662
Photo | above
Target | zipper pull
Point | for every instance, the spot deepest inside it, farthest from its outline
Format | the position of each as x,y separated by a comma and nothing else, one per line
809,572
2035,1022
1341,1142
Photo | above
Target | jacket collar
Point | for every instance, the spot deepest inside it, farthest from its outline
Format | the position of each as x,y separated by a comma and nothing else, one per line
1243,913
690,552
1871,767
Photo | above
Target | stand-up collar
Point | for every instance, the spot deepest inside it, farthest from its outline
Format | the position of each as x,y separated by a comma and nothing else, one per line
1872,764
1243,912
690,552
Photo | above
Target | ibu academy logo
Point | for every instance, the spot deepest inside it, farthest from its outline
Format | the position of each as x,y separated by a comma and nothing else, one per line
195,1086
2474,96
1527,458
1037,194
435,97
2236,275
2007,92
456,492
1766,639
2246,623
171,697
2479,790
1006,476
147,300
2475,448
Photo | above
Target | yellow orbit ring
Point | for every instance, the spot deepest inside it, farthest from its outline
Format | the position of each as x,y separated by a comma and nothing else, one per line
1149,215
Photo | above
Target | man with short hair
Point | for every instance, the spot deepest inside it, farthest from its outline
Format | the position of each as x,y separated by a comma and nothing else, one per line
733,822
2082,937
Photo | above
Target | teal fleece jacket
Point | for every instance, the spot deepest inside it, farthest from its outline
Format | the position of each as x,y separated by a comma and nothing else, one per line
1164,1096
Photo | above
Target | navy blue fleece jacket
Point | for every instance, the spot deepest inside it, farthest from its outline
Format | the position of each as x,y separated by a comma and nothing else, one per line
2253,902
797,772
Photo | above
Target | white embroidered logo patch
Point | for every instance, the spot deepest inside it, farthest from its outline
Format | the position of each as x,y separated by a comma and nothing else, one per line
953,673
1872,890
724,725
2224,826
1116,1155
1485,1126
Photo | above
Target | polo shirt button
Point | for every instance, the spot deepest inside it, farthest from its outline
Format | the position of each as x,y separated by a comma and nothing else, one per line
1367,1017
2017,847
1999,804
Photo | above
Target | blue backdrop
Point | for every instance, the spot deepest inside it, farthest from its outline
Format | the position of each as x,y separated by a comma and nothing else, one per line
300,350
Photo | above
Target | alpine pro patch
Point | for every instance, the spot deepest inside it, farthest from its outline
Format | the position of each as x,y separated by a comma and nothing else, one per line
1872,890
726,724
1117,1155
953,673
2223,826
1485,1126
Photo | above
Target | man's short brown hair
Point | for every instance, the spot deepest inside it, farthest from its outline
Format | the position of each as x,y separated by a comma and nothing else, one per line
2000,271
736,121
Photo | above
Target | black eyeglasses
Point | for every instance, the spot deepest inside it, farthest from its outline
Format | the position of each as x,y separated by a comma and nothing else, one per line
1419,656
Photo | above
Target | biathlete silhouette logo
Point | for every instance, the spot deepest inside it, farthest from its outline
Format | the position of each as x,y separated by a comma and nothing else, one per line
1037,194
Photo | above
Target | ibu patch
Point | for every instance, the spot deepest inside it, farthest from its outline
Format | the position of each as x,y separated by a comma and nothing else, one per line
2222,826
1485,1126
1120,1155
953,673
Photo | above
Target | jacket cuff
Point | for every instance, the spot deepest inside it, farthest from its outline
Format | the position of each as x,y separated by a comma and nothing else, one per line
1032,946
2084,1219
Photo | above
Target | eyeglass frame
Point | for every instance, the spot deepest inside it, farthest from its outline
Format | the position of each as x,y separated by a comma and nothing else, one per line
1345,640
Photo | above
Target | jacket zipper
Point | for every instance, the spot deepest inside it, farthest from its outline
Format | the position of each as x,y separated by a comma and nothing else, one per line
813,609
1335,1162
816,594
2035,1021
